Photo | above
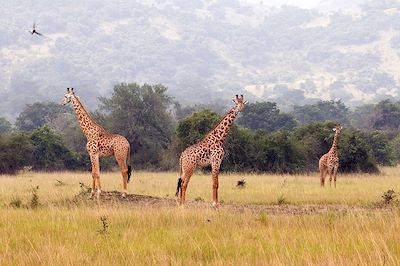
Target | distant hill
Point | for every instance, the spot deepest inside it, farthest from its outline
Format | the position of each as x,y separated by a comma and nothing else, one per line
202,50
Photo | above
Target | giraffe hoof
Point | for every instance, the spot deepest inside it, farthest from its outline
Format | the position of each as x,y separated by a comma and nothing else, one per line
91,195
215,205
123,194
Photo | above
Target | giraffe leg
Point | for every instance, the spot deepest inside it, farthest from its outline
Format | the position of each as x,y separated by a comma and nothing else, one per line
93,186
95,174
186,174
330,171
322,175
215,184
124,171
334,175
215,165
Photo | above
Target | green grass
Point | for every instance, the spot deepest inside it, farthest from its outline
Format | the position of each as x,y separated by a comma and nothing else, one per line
73,234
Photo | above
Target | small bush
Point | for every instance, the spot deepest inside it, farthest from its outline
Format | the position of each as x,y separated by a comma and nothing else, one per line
105,225
281,200
263,218
199,199
85,189
389,196
35,198
16,202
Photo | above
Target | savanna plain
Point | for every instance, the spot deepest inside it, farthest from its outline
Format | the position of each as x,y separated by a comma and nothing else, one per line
47,219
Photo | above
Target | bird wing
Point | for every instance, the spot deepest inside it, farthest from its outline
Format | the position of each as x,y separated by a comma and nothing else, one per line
38,33
34,25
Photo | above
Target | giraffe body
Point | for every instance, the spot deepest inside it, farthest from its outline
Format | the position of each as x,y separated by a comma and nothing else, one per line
207,152
329,162
101,143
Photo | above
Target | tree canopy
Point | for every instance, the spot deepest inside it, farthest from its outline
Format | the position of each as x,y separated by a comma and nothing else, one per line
266,116
322,111
140,113
38,114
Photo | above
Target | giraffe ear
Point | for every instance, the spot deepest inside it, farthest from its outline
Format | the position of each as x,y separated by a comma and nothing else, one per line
341,127
334,129
245,102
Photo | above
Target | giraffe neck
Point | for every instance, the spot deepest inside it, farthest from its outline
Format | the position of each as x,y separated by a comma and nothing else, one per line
333,149
89,127
220,132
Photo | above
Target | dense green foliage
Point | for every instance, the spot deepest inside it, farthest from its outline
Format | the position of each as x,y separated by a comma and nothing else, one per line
42,149
264,139
50,153
322,111
265,116
38,114
15,152
140,113
286,152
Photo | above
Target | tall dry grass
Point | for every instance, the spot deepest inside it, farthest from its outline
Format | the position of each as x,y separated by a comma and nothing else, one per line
73,234
353,190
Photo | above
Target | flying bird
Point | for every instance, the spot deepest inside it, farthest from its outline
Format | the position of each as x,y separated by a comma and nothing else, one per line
33,31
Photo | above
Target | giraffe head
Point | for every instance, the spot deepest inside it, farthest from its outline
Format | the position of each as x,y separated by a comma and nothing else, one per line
239,103
68,96
337,128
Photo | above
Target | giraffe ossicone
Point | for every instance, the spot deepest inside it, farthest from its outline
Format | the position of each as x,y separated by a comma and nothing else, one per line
101,143
208,151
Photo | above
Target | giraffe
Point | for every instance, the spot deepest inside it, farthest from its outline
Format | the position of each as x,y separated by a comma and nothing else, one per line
329,162
101,143
208,151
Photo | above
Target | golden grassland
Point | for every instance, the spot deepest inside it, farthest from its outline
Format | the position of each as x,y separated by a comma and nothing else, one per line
64,232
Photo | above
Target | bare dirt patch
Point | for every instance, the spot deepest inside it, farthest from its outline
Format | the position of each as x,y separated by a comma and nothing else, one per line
115,198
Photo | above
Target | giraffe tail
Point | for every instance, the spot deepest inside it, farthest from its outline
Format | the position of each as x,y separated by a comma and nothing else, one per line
129,164
179,185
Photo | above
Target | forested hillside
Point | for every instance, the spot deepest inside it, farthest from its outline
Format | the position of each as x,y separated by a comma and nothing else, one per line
203,51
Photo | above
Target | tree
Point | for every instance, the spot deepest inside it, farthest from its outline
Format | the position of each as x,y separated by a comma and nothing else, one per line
140,113
182,112
49,152
38,114
395,143
321,112
276,153
381,148
15,152
363,116
193,128
387,115
314,140
355,154
5,125
266,116
239,150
